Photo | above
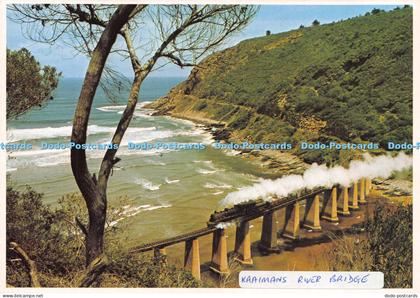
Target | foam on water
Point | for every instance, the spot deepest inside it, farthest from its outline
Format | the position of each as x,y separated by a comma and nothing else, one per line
181,121
120,108
129,211
52,157
146,184
168,181
22,134
209,162
143,114
111,108
217,193
205,171
220,185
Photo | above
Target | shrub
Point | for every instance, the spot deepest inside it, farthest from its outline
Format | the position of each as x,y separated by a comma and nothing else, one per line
54,242
145,271
390,243
43,234
201,106
387,246
241,120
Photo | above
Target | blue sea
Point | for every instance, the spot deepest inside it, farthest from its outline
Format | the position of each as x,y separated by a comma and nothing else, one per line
159,192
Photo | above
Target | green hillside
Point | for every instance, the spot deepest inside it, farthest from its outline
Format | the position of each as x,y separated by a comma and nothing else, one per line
350,80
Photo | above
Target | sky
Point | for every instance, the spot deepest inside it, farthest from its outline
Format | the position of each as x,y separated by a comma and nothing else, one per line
276,18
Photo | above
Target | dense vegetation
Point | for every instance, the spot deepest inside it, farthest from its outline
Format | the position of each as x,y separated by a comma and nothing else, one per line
350,80
28,84
53,241
387,246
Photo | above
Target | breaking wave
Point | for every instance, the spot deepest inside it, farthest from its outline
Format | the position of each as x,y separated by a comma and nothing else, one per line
21,134
168,181
146,184
221,185
129,211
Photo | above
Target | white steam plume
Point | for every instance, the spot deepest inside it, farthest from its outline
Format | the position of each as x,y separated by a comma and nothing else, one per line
321,176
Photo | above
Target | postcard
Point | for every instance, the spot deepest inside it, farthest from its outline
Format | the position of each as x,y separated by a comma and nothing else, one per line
225,148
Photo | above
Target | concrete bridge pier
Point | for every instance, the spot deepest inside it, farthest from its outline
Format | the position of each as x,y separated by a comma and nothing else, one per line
219,259
192,257
269,239
311,219
243,243
343,201
362,192
329,205
292,224
354,197
368,186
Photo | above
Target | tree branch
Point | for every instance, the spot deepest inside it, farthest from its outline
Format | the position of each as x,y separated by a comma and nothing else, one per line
176,60
83,16
29,264
81,226
109,159
135,62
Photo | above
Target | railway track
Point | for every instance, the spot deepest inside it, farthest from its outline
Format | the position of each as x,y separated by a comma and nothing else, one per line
173,240
241,212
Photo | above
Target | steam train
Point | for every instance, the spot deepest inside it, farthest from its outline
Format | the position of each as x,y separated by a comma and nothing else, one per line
238,210
257,207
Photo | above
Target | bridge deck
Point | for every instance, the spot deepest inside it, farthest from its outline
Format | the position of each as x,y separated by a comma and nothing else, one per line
174,240
277,204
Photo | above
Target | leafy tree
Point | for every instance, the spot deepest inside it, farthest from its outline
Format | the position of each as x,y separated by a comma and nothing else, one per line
376,11
28,84
316,23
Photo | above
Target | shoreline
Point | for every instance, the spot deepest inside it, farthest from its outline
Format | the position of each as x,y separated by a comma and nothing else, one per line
272,163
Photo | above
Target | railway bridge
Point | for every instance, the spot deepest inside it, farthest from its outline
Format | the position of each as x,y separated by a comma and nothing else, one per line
321,203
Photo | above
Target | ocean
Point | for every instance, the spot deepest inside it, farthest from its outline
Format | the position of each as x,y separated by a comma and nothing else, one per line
162,192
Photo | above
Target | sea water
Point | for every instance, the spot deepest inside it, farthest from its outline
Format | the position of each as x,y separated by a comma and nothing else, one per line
168,191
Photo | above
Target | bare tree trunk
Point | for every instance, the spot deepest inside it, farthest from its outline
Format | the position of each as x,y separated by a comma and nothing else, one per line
94,194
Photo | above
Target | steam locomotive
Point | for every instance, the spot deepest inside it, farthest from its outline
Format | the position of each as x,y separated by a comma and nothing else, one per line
239,210
257,207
